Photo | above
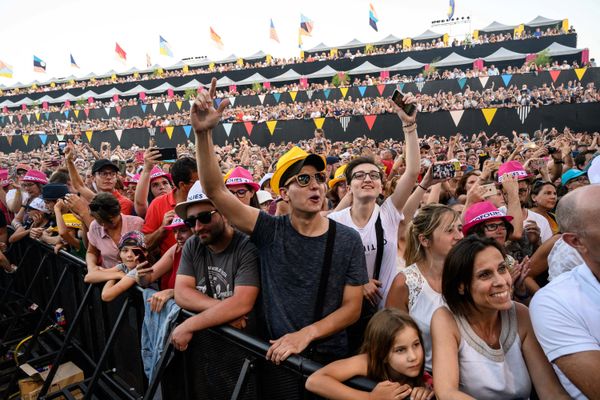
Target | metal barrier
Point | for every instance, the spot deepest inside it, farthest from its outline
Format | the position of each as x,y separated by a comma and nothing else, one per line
103,339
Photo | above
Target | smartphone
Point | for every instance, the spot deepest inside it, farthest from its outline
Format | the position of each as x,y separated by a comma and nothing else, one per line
61,147
54,163
397,98
443,171
168,154
537,163
122,166
139,157
140,255
489,190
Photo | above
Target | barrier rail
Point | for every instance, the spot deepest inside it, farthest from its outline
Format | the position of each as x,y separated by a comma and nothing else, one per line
103,339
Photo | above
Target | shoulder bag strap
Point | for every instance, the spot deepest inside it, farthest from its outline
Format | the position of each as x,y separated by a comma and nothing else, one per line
209,291
379,255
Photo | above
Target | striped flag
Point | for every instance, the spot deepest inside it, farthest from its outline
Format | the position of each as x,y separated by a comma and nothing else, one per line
216,38
373,17
120,53
165,48
38,64
273,32
306,25
6,71
73,63
344,121
523,112
451,9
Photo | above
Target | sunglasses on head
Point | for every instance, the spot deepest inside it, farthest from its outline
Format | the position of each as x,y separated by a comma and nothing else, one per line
204,218
304,179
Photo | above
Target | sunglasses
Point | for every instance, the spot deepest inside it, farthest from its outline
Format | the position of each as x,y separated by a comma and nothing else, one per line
204,218
240,192
304,179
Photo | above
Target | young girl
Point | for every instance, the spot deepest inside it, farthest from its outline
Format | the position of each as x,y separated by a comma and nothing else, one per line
391,354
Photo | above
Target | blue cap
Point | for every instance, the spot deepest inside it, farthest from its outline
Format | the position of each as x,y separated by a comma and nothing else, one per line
571,174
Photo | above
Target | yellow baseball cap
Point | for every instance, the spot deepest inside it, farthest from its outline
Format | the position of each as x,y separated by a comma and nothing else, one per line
291,163
339,176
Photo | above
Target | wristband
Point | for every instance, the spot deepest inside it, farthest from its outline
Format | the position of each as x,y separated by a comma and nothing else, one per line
409,124
422,187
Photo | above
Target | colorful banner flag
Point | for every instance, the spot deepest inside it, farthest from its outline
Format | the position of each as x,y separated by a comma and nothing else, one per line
120,52
306,25
373,17
38,64
451,9
273,32
73,63
6,70
148,61
165,48
216,38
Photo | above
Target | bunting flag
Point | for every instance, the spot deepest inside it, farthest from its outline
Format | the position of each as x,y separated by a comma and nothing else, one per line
73,63
187,129
164,47
121,55
227,126
462,82
380,89
192,101
554,74
451,7
344,91
489,113
88,135
261,97
47,115
457,116
67,114
373,17
276,96
483,80
306,26
119,133
9,139
43,138
319,122
6,71
271,126
60,138
400,86
232,100
154,107
273,34
76,112
420,86
179,104
326,93
37,117
370,120
169,130
523,112
167,105
26,139
344,121
38,64
362,90
293,94
216,38
578,71
309,93
152,131
143,107
248,125
28,117
506,79
107,110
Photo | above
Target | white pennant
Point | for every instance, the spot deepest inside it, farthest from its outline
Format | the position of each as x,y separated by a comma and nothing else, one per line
456,116
191,103
483,80
107,109
60,137
10,117
309,93
29,117
151,131
232,100
154,107
261,98
227,126
523,112
344,121
420,86
119,132
167,104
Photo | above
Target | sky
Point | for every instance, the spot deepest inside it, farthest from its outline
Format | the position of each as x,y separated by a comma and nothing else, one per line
89,29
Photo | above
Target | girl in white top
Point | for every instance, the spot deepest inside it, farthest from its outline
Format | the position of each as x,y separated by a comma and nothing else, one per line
417,289
484,346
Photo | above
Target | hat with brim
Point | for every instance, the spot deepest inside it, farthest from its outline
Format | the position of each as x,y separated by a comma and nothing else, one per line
54,191
481,212
132,180
513,168
241,176
35,176
263,196
176,223
158,173
339,176
291,163
195,195
71,221
103,163
132,238
570,175
23,167
265,179
39,205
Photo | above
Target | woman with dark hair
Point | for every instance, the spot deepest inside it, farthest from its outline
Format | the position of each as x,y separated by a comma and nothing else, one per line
152,182
337,187
239,181
466,182
543,197
484,346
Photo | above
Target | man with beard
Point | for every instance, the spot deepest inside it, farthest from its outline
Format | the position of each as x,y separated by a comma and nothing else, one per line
224,256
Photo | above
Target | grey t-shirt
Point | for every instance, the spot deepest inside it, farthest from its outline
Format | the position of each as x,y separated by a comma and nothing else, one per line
236,265
291,267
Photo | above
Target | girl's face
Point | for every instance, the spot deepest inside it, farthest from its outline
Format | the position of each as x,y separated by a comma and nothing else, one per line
496,229
471,181
406,355
128,256
341,188
546,198
160,186
446,235
182,234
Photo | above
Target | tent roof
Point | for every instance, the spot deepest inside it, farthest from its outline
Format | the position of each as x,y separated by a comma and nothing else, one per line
428,34
320,47
89,93
133,91
193,84
557,49
351,44
108,74
453,59
406,64
542,21
389,39
160,88
199,63
230,59
256,56
288,75
86,77
254,78
503,54
496,27
224,81
130,71
365,68
325,72
109,93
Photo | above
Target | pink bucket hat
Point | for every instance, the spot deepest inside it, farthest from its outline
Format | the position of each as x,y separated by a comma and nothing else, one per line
514,168
158,173
481,212
241,176
35,176
176,223
4,177
133,180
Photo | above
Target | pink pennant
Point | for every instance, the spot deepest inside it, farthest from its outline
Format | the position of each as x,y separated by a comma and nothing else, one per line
87,112
233,88
5,109
249,127
68,103
90,100
118,108
554,74
304,82
116,98
380,89
530,57
267,85
170,93
142,96
585,56
370,120
23,107
45,105
384,74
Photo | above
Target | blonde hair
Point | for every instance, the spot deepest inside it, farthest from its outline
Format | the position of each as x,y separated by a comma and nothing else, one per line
427,220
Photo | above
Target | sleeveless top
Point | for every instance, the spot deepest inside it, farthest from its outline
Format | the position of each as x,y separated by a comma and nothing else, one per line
487,373
422,303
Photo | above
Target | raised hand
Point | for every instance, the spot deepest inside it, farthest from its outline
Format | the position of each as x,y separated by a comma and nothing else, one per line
203,115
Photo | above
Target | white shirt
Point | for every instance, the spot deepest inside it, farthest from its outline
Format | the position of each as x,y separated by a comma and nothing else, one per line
540,220
566,318
390,220
10,195
562,258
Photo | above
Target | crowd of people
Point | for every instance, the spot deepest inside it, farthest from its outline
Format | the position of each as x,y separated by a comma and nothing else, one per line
410,261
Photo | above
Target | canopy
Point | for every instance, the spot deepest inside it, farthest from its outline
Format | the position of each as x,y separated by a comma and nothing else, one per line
256,56
557,49
130,71
254,78
107,74
389,39
224,81
288,75
497,27
503,54
320,47
428,35
351,44
132,92
193,84
227,60
453,59
406,64
542,21
325,72
161,88
109,93
365,68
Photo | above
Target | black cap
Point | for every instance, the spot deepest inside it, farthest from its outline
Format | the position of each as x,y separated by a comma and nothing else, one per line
54,191
102,163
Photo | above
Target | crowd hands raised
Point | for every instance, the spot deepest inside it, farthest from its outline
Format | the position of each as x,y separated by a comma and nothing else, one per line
431,271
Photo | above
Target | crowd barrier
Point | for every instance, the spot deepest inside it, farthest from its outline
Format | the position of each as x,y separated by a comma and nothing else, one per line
103,339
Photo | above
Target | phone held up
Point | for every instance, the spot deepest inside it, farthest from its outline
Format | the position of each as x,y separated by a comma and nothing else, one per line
62,145
445,170
141,257
398,98
168,154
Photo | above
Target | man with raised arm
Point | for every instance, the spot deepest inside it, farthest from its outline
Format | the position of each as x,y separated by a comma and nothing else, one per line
312,268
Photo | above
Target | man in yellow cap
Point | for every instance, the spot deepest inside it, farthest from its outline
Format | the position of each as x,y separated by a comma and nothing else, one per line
306,296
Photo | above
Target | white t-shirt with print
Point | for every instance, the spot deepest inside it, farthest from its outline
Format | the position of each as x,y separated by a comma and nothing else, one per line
540,220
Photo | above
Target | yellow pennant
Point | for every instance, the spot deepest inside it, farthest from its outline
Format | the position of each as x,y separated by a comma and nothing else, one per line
169,130
293,94
271,125
52,84
580,72
113,77
26,139
37,116
489,113
185,69
179,104
344,91
76,113
89,134
319,122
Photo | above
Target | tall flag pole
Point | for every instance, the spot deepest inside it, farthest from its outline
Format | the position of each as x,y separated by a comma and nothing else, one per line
273,32
38,64
216,38
120,53
73,63
451,9
373,17
165,48
6,71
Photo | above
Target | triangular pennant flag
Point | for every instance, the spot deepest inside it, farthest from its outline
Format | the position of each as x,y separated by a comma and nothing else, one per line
167,104
119,133
87,112
43,138
9,139
261,97
309,93
10,118
326,93
523,112
362,90
218,101
107,110
67,113
47,115
483,80
580,72
400,86
76,112
344,121
118,108
143,106
248,125
271,125
420,86
152,131
187,129
227,126
319,122
179,104
169,130
192,103
277,96
344,91
370,120
506,79
19,117
554,74
380,89
29,117
489,113
293,94
232,101
154,107
461,82
89,134
1,119
456,116
26,139
37,117
60,137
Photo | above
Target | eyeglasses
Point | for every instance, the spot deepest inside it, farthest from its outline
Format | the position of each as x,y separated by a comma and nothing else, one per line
494,227
27,184
304,179
107,174
523,190
240,192
361,175
204,218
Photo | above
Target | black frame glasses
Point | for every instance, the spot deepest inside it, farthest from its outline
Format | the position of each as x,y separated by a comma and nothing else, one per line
239,193
361,175
493,227
304,179
205,217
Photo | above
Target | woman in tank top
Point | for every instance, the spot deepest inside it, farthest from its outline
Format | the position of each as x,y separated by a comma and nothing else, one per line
417,288
484,346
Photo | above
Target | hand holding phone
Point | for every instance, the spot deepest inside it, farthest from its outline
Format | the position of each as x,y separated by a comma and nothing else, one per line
398,98
168,154
140,256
